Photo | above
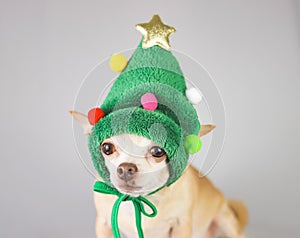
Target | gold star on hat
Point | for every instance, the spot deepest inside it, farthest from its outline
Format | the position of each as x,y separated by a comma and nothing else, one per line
155,33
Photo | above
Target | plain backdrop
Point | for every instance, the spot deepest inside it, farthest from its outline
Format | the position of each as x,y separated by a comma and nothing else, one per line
252,50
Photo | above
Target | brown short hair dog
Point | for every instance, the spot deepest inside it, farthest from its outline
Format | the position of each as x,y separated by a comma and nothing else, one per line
192,207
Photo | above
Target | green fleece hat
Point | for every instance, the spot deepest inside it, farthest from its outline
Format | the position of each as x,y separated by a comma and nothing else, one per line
149,99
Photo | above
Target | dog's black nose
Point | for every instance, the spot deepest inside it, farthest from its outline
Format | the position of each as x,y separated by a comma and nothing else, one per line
127,171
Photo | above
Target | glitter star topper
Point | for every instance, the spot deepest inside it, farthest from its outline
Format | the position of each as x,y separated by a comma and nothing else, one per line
155,33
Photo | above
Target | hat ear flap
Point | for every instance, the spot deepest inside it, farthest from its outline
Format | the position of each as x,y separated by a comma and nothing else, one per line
205,129
83,121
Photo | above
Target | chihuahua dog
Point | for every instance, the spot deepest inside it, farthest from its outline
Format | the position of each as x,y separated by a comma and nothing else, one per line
190,208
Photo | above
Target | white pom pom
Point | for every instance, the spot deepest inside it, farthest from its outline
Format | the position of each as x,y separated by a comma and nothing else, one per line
194,95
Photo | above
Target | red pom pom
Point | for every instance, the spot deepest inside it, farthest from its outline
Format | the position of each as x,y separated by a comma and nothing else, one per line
95,115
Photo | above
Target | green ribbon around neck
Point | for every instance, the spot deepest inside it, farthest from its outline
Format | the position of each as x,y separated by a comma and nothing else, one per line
138,203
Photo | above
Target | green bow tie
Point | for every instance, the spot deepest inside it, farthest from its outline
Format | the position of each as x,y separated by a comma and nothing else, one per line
137,203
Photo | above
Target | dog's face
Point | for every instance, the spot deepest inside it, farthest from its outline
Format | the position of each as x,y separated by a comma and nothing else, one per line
137,166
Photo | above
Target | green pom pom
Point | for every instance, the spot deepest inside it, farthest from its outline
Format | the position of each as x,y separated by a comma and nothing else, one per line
192,144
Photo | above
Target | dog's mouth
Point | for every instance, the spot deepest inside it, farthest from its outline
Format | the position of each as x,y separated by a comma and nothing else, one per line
129,188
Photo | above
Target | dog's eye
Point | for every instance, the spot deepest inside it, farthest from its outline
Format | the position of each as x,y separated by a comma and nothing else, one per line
108,148
156,151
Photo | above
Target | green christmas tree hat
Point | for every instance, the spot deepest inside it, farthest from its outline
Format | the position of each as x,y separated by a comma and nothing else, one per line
149,99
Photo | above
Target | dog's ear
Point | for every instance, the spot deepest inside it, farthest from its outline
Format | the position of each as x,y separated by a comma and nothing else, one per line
205,129
83,121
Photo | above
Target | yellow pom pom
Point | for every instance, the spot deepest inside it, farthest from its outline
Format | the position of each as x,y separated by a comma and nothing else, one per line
118,62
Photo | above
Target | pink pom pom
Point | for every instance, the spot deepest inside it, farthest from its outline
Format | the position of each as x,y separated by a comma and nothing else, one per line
149,101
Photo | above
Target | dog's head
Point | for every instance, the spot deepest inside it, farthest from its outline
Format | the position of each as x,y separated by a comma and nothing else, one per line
136,165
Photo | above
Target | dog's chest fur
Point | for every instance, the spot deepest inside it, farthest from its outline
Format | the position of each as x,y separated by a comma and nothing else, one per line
128,227
158,226
191,202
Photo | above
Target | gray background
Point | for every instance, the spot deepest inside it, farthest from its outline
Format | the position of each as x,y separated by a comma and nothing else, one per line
251,48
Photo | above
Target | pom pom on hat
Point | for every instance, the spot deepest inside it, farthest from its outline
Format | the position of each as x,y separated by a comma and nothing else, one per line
149,101
194,95
118,62
95,115
192,144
